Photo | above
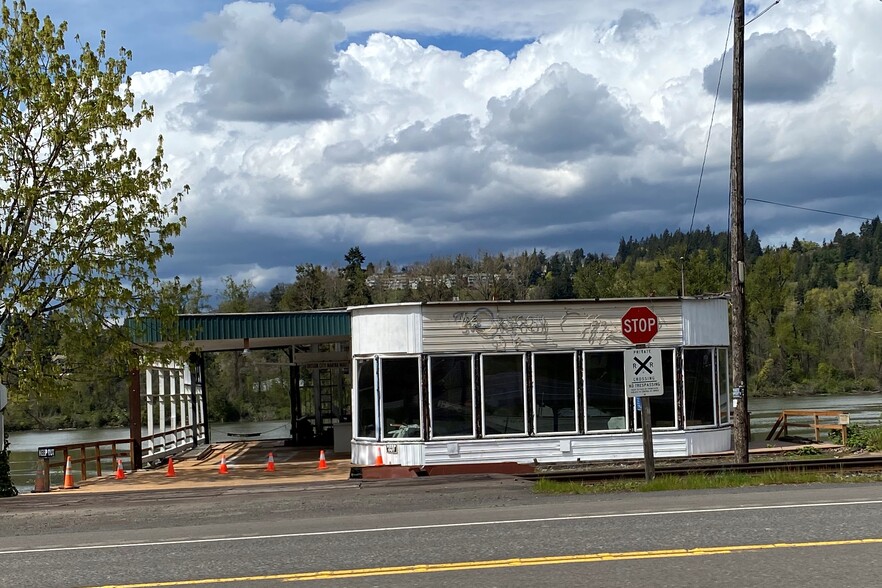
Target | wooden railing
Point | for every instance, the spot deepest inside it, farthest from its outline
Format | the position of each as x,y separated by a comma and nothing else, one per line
82,456
171,442
786,422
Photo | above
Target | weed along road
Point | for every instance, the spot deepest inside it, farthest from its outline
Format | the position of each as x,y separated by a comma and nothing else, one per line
479,531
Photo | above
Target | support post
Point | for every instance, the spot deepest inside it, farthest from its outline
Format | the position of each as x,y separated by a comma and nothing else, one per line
646,425
203,373
135,418
740,426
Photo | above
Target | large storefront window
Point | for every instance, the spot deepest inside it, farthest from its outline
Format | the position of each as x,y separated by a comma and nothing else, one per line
698,387
503,394
605,391
451,393
723,385
554,392
664,407
400,391
366,409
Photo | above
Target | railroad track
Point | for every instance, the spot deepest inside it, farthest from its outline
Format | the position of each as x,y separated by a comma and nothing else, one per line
830,465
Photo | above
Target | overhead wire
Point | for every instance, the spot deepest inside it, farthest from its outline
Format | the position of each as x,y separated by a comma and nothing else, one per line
809,209
711,125
768,8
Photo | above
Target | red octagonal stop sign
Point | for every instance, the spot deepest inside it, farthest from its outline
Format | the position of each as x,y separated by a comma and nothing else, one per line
639,325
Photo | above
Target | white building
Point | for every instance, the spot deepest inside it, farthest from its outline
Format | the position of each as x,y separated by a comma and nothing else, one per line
485,382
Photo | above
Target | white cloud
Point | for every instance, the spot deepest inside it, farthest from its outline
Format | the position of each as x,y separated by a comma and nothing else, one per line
298,145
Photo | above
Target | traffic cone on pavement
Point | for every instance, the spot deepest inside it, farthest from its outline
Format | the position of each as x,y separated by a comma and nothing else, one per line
379,459
120,473
223,466
323,465
170,473
68,477
270,463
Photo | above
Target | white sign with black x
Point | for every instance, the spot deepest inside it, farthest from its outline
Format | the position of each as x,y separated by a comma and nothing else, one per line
643,373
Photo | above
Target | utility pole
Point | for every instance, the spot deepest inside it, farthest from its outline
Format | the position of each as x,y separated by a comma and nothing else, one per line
741,421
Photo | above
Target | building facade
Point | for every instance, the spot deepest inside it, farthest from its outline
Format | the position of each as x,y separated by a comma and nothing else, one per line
527,382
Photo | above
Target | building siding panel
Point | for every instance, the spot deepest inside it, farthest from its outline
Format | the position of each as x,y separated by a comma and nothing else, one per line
488,327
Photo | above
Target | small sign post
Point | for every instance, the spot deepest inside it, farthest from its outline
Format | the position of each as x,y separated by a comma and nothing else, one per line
643,372
643,380
41,476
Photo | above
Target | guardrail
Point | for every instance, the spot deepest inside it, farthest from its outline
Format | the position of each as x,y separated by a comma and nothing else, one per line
785,422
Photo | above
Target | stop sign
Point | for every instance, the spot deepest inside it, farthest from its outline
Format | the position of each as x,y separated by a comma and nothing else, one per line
639,325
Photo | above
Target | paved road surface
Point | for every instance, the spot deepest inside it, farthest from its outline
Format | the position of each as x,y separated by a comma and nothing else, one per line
478,531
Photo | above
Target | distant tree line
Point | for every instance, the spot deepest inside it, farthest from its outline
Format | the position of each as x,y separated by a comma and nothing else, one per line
814,311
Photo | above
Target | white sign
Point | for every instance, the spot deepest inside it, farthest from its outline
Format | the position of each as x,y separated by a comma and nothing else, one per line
4,398
643,373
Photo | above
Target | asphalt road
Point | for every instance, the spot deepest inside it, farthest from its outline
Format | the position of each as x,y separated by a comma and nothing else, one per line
477,531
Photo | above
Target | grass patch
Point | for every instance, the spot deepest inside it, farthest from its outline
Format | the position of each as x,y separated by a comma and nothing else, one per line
698,482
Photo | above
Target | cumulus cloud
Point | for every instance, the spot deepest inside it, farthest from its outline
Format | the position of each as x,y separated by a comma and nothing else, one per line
298,146
269,69
564,116
785,66
632,21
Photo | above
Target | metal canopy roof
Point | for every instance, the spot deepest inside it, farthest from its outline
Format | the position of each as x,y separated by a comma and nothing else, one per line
252,330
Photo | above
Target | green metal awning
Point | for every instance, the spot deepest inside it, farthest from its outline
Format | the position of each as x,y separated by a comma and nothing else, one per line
253,330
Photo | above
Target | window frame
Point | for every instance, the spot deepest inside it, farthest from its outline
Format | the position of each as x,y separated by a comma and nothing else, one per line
625,404
576,419
677,395
356,403
721,378
714,392
471,361
524,397
379,397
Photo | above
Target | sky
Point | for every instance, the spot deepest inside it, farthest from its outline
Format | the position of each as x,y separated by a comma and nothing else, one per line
421,128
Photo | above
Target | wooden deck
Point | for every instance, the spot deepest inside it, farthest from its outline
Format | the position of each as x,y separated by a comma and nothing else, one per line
817,420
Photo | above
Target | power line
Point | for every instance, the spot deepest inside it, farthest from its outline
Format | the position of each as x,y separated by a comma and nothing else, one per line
809,209
713,114
768,8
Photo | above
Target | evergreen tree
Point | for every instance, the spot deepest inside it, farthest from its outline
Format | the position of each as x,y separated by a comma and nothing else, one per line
7,488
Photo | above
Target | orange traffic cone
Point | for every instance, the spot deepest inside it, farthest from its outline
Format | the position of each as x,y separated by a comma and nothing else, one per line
223,466
379,459
170,473
323,465
120,474
270,463
68,477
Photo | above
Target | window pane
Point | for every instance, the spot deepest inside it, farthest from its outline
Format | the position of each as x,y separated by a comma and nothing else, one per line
367,406
664,413
698,386
451,396
401,396
723,384
555,382
605,391
503,394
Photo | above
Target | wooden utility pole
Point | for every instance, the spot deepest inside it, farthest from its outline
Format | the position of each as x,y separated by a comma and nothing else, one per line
741,421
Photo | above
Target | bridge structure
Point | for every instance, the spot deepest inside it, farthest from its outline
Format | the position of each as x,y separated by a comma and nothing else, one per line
168,403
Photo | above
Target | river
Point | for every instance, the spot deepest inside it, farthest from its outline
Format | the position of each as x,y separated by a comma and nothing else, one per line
865,408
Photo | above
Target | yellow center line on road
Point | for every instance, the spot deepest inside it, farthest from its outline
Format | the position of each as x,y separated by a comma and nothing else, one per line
501,563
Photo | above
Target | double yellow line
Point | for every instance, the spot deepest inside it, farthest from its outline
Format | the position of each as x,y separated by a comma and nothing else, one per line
503,563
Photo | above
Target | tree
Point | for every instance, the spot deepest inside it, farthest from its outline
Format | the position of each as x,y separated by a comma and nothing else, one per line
357,292
83,220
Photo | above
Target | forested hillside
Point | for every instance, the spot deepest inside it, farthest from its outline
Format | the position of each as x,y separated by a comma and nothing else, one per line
814,311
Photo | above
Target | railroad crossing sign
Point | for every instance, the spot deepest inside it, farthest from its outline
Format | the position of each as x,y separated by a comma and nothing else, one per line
639,325
643,373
